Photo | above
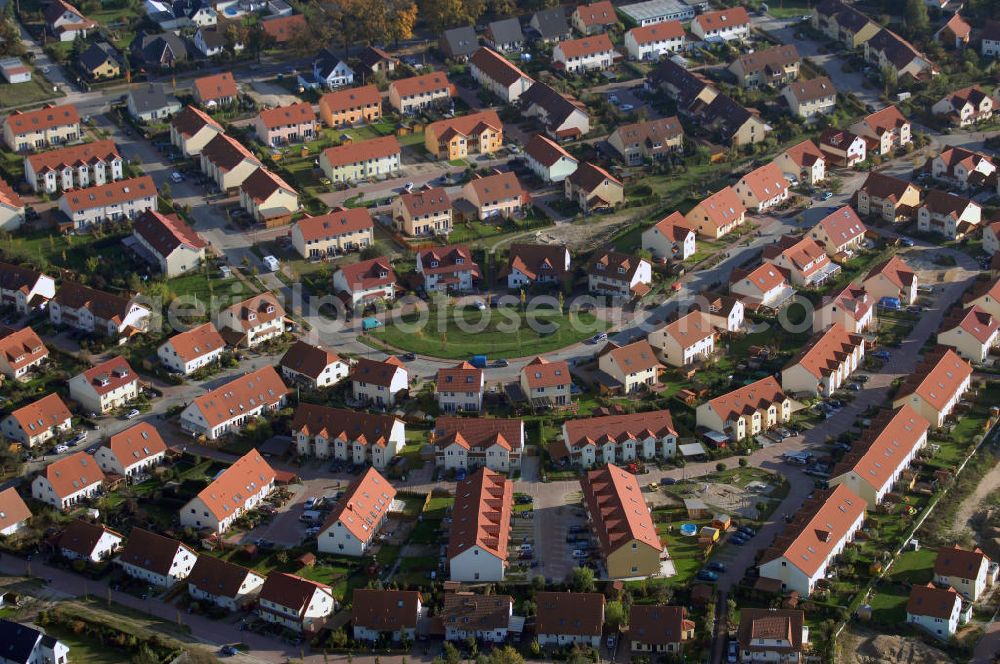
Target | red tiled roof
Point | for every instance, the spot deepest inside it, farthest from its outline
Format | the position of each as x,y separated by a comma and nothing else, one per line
165,233
112,193
370,274
481,515
960,563
42,414
647,34
747,399
619,512
290,591
22,347
569,613
975,321
352,153
48,117
334,223
231,489
225,402
217,577
546,151
884,446
191,119
770,625
283,116
544,373
110,375
932,601
284,28
385,610
72,474
151,551
895,270
722,19
339,101
723,207
937,378
136,444
216,86
307,359
362,506
73,155
197,342
13,509
496,67
585,46
463,374
423,84
597,13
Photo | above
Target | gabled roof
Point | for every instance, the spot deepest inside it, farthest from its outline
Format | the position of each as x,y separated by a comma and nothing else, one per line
370,274
886,119
546,151
764,277
197,342
545,373
974,321
191,120
631,358
937,378
557,107
615,265
619,512
263,308
290,591
826,351
723,207
770,625
929,600
674,227
466,125
216,86
81,537
226,152
879,185
231,489
808,541
426,202
846,15
151,551
460,41
958,27
837,139
376,373
218,577
952,156
842,225
656,624
110,375
722,19
476,613
851,299
18,277
263,183
619,428
651,133
385,610
339,101
22,347
74,155
9,198
812,89
498,186
748,399
479,433
589,176
247,392
804,154
802,254
569,613
47,117
654,32
537,260
13,509
166,233
960,563
371,56
423,84
18,642
307,359
690,328
766,182
884,447
72,474
497,67
481,515
945,203
586,46
352,153
769,60
504,31
112,193
151,97
335,222
136,444
369,429
291,115
42,414
895,270
551,22
363,505
442,260
896,50
597,13
462,377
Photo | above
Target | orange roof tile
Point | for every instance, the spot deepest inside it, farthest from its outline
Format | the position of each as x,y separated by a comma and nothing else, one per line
136,444
481,515
216,86
362,506
619,512
231,489
112,193
41,415
227,401
72,474
747,399
937,378
197,342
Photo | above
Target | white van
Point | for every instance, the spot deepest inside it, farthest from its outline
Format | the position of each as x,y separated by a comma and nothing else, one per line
271,263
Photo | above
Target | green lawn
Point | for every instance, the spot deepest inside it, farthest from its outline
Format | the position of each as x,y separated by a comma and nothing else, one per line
415,570
204,286
889,604
35,91
85,651
69,251
913,566
509,334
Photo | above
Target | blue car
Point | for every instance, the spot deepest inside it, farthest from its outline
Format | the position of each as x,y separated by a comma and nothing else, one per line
705,575
747,530
738,541
881,354
716,567
905,241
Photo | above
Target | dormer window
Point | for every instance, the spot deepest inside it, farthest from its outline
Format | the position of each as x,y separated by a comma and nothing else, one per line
251,316
270,308
621,270
434,263
459,261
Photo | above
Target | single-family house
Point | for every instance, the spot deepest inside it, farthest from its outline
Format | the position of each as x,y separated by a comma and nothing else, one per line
671,238
767,67
655,628
593,189
936,610
840,232
188,351
24,289
772,635
496,195
130,453
764,286
21,351
215,90
852,308
379,613
762,188
102,388
888,197
884,130
547,383
362,283
617,274
628,368
167,243
158,560
357,517
14,513
66,22
893,278
379,383
457,138
498,75
647,141
68,481
192,129
548,160
802,260
100,61
93,542
968,572
808,99
151,102
230,406
593,18
228,162
963,168
460,388
295,603
717,215
480,527
842,148
965,107
314,367
458,43
936,385
562,117
252,321
224,584
746,411
504,35
803,162
449,268
689,339
536,265
947,214
568,618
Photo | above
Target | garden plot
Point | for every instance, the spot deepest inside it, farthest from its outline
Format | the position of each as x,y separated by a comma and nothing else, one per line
735,500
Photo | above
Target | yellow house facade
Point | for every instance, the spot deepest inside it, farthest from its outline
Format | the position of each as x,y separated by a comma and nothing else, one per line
457,138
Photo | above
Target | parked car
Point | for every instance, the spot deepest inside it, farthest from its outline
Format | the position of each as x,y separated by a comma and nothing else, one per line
716,566
707,575
747,530
579,553
732,653
881,354
59,449
599,337
905,241
132,414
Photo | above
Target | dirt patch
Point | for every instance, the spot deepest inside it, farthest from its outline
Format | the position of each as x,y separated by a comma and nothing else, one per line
859,646
973,502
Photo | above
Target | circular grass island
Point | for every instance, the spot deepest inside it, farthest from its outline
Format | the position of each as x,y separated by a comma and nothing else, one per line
460,333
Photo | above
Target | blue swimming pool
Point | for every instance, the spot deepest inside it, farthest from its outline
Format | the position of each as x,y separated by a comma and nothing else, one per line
689,529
